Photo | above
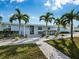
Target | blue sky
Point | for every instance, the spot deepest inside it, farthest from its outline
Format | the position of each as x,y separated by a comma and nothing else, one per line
36,8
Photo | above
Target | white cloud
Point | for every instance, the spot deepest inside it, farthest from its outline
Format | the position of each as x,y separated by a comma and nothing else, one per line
76,2
47,4
56,4
19,1
1,15
33,17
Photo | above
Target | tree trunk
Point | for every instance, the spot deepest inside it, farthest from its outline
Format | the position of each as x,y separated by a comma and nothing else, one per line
58,29
72,32
46,29
74,48
10,26
19,27
24,30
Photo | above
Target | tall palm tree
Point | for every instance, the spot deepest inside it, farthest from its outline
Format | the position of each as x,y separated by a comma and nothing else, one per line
68,19
17,16
25,17
47,18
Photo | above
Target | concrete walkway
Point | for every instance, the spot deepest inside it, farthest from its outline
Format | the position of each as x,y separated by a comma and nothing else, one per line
21,41
50,52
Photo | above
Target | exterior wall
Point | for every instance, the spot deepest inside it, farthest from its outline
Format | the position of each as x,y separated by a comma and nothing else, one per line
27,31
15,27
35,31
1,28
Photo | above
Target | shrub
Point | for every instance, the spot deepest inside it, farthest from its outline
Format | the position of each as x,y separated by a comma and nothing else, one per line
62,34
17,37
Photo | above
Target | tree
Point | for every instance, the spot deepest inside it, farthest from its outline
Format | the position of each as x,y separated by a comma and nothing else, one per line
68,19
18,16
47,18
58,23
25,17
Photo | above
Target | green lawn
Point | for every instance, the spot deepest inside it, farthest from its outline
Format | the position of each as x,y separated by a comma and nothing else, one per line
64,45
25,51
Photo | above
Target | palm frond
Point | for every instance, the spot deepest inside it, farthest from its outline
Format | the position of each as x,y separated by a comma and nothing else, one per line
43,17
47,17
49,14
0,18
13,17
18,11
77,13
50,19
25,17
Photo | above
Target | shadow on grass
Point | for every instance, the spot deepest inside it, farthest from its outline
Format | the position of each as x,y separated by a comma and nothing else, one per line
66,47
7,51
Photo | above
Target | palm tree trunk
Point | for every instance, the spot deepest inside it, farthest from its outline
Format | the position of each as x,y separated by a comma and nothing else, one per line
72,32
19,27
10,25
24,30
58,29
74,48
46,29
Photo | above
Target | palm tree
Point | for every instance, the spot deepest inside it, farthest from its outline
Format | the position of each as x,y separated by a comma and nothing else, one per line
16,16
25,17
58,23
19,16
68,19
47,18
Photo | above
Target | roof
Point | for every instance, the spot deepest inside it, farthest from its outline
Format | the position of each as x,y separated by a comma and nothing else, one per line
26,24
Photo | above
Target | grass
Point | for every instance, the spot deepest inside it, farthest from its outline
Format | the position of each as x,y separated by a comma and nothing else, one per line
25,51
65,46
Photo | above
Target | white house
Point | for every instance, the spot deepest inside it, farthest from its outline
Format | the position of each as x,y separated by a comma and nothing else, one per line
30,30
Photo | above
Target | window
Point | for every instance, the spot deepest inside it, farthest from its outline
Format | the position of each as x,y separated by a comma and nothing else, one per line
48,28
39,28
40,32
31,29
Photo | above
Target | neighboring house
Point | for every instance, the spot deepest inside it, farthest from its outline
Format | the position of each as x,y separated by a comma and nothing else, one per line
76,29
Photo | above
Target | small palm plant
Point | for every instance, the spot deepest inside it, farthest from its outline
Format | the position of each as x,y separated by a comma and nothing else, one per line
47,18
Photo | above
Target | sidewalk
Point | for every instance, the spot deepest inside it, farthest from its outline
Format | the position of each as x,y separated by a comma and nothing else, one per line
22,41
50,52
